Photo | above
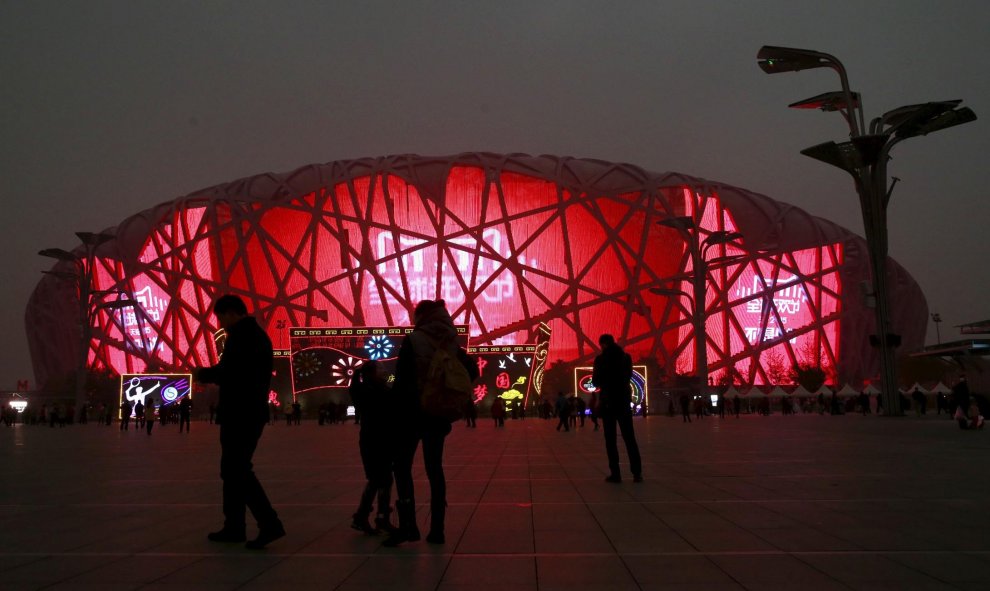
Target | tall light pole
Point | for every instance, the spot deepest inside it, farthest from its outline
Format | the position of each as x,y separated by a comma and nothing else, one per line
937,319
698,250
865,158
83,276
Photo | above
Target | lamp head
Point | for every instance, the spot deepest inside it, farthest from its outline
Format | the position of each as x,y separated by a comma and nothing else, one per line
60,254
773,59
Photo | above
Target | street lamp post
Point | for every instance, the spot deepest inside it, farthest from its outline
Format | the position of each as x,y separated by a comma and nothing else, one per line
865,158
83,277
698,250
937,319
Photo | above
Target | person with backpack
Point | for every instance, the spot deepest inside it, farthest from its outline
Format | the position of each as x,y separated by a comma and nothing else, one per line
432,384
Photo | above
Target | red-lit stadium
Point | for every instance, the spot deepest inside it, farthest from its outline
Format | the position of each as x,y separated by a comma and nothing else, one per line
509,241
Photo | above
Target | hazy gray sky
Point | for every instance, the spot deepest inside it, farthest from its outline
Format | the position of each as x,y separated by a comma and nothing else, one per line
109,108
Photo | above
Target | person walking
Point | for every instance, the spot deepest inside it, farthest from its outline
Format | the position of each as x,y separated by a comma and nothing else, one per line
433,330
611,375
244,375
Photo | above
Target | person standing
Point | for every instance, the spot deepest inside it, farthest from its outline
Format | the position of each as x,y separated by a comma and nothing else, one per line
370,394
685,402
433,330
125,415
244,375
593,409
611,375
149,413
185,412
471,413
579,407
563,412
498,411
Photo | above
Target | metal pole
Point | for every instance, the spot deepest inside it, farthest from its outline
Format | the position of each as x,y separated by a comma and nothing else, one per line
700,334
876,232
86,332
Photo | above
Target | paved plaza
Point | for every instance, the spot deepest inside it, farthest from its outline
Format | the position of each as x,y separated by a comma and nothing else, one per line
806,502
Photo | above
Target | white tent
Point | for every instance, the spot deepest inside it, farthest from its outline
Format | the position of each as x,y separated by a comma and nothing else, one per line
871,389
755,392
802,392
778,392
848,390
916,386
941,389
824,390
731,392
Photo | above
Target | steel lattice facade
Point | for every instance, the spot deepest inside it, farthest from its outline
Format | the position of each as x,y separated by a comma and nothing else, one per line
508,241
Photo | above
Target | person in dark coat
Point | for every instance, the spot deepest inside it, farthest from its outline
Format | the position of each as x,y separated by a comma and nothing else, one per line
611,376
370,394
244,375
960,401
185,413
433,329
563,408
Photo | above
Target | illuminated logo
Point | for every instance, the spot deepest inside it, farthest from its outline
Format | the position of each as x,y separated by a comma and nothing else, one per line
170,393
378,347
344,368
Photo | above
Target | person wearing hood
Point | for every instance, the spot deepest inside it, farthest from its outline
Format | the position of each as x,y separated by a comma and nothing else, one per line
434,329
244,375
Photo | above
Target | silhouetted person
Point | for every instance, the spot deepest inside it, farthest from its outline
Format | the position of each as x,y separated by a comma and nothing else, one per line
685,402
579,407
864,403
185,413
370,395
611,375
139,414
471,414
433,329
149,414
563,412
736,405
244,375
498,412
960,400
125,415
918,399
593,409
